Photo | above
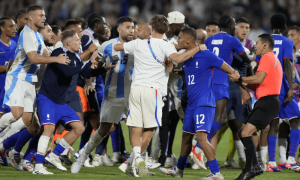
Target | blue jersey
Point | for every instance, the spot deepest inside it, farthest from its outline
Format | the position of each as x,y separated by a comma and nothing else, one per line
15,39
7,54
198,76
223,45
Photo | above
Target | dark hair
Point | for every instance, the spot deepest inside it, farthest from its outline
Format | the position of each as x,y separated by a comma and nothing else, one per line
213,22
225,21
123,19
66,34
190,31
55,29
2,21
243,20
71,22
45,24
267,38
20,13
160,24
82,21
295,28
278,21
93,19
33,7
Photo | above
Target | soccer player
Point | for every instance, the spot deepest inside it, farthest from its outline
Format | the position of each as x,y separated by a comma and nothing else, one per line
57,32
222,44
267,80
19,85
201,36
294,35
289,110
212,28
21,20
51,101
143,31
116,89
201,105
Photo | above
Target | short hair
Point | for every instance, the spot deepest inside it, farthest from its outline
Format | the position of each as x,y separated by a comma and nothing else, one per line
33,7
295,28
123,19
20,13
213,22
55,29
160,24
40,29
267,38
2,21
243,20
82,21
190,31
278,21
226,21
66,34
71,22
93,19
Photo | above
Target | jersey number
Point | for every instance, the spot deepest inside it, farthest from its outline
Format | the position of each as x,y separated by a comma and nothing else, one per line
124,59
191,79
201,116
216,50
276,51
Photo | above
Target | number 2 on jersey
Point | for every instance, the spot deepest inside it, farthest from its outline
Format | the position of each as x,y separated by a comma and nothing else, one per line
216,50
191,79
202,116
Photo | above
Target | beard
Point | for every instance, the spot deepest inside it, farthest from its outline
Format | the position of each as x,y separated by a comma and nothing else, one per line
126,38
48,43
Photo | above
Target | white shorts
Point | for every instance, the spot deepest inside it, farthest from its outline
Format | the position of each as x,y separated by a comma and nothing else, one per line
112,109
145,105
19,93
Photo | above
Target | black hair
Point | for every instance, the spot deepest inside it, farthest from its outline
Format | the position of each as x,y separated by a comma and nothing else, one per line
93,19
55,29
190,31
45,24
243,20
82,21
295,28
267,38
226,21
123,19
278,21
213,22
2,21
71,22
20,13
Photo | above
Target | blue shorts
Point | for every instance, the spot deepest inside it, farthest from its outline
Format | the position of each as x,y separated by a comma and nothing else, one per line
289,110
198,119
3,106
51,113
234,103
73,100
220,91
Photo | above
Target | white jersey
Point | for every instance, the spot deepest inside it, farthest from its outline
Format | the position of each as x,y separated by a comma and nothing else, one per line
150,71
22,68
118,79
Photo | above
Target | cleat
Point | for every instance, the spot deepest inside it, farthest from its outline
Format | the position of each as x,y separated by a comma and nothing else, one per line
213,177
97,161
27,166
171,161
232,163
293,167
118,159
273,169
195,166
242,162
131,171
281,166
152,165
41,170
141,167
87,163
245,175
3,159
55,161
76,166
16,165
107,161
175,172
197,158
123,167
65,160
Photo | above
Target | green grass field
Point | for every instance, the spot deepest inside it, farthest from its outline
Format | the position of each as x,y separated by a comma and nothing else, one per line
9,173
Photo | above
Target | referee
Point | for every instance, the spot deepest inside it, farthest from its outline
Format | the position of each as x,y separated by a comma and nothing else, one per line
267,83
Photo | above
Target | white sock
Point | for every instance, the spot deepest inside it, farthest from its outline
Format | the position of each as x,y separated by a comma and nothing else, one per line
264,152
94,141
2,149
282,143
291,160
198,150
240,149
82,149
42,145
272,163
13,129
258,155
6,120
136,151
57,140
130,159
116,154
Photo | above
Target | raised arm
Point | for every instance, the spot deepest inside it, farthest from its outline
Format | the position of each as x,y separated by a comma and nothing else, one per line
119,47
179,58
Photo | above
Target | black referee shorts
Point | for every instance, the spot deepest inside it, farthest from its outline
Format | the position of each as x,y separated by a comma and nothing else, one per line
264,111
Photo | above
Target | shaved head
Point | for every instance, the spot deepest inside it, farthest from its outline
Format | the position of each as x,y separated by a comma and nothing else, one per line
143,31
201,36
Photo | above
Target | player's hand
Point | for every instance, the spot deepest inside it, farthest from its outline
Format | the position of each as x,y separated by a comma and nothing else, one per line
93,60
234,77
110,66
88,89
245,96
92,48
295,85
63,59
290,96
202,47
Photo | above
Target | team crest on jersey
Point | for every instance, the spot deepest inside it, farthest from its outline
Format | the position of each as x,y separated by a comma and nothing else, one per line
75,63
39,49
48,116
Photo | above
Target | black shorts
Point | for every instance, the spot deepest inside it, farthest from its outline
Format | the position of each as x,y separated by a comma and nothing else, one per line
264,111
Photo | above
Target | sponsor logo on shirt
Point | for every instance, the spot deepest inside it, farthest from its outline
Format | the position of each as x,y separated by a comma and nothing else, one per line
278,41
217,42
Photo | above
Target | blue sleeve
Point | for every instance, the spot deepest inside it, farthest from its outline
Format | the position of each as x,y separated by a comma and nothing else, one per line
236,45
288,50
257,58
12,52
214,60
86,41
88,72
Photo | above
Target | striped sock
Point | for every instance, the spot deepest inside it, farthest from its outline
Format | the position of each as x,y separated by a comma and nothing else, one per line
294,142
272,147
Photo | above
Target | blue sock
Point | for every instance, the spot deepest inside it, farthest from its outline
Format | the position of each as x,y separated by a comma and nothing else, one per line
272,147
215,127
11,141
102,145
294,142
181,163
32,148
39,159
58,150
213,166
115,139
24,137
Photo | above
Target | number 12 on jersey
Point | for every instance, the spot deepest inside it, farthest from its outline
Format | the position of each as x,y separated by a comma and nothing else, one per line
191,79
201,116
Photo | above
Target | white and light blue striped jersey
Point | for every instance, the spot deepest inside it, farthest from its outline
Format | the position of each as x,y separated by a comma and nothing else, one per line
22,68
118,80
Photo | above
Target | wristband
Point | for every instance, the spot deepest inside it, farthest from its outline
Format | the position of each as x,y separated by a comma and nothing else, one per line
240,80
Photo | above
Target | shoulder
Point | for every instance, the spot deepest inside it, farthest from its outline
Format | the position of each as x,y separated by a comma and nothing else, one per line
85,38
109,42
13,45
58,51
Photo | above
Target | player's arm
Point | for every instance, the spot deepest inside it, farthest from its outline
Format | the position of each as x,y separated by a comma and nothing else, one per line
86,54
3,68
180,58
119,47
35,58
10,62
287,66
